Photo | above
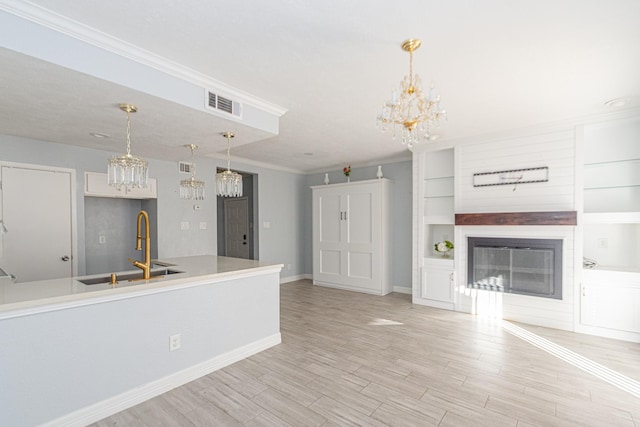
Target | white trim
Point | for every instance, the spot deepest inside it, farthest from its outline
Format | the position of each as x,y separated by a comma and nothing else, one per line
115,404
567,125
84,33
249,162
405,156
402,289
296,278
64,302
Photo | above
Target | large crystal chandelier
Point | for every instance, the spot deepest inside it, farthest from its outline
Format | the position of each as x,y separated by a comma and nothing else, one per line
417,114
191,188
127,170
228,183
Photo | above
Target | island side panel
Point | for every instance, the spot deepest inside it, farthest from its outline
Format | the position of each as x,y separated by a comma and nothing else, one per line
60,362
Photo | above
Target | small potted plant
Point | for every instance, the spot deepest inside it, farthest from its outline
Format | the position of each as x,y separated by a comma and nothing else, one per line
443,248
347,171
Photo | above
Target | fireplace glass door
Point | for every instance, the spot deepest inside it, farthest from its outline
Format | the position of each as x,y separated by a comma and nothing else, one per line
520,266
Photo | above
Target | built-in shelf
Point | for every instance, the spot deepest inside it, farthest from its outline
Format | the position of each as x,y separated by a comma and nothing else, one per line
611,217
439,260
609,187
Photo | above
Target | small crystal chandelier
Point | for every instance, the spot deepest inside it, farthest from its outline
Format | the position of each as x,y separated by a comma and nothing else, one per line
228,183
127,170
191,188
416,113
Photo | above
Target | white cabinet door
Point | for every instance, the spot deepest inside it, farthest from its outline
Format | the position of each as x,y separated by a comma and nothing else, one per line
613,307
437,283
329,240
96,184
362,222
348,236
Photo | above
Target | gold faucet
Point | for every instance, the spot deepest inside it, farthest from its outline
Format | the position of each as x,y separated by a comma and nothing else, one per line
146,265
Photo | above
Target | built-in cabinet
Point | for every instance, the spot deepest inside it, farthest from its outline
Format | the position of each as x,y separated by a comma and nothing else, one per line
610,292
433,222
96,185
351,236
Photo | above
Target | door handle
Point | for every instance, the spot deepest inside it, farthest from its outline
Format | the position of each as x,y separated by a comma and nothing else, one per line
244,236
244,243
65,258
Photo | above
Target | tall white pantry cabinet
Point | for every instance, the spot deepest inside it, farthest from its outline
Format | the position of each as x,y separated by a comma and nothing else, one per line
352,236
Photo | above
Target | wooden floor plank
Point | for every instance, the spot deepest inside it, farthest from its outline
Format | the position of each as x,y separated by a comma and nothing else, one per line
355,359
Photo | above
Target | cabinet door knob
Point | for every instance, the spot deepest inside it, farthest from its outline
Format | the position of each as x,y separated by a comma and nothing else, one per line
65,258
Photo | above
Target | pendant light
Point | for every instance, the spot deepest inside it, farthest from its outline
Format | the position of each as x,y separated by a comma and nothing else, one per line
127,170
191,188
228,183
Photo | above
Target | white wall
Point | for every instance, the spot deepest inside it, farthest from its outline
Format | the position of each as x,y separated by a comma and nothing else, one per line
554,149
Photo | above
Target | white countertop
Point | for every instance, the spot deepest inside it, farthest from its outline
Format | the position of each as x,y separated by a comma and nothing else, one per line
19,299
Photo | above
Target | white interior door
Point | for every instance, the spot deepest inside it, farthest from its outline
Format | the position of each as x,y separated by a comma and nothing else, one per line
236,227
37,212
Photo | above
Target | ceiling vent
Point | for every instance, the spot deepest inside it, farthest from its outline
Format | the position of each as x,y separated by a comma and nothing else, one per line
223,104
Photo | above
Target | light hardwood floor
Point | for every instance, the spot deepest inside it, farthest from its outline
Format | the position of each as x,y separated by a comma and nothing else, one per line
354,359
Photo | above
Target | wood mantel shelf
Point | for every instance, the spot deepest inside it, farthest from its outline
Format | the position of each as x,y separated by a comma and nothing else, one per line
518,218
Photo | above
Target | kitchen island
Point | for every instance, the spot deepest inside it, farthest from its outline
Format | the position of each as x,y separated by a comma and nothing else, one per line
73,353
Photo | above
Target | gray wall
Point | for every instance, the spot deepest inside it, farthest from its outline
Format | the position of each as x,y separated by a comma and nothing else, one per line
64,361
280,198
284,202
401,176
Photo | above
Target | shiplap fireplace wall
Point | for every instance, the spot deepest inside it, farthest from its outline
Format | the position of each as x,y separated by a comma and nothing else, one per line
553,149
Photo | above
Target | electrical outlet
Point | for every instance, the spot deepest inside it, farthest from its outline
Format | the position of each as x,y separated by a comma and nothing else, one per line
174,342
603,243
184,225
203,226
102,239
266,224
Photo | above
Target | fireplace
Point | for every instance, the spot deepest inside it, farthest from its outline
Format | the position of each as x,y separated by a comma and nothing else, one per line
518,266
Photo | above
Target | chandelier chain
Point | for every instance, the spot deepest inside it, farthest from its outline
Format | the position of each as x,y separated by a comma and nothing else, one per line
128,133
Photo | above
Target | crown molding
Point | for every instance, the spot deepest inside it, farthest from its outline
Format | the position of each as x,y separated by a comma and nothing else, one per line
541,129
250,162
77,30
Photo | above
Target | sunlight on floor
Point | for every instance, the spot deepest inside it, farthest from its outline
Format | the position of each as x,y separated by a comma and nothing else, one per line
612,377
488,304
383,322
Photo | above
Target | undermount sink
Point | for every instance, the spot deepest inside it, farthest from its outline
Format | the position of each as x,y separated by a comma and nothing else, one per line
155,274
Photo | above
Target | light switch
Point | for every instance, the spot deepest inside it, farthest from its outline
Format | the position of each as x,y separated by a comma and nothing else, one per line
266,224
203,226
184,225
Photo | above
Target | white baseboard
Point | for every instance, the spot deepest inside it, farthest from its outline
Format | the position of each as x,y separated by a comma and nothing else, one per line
294,278
402,290
113,405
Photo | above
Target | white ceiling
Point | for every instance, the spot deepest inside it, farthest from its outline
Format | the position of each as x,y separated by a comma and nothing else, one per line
498,64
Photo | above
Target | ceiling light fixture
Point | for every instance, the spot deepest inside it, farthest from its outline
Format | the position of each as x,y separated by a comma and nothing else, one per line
228,183
127,170
410,107
191,188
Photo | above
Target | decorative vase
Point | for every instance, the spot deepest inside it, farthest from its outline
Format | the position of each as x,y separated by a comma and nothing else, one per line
326,179
348,179
379,174
445,254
